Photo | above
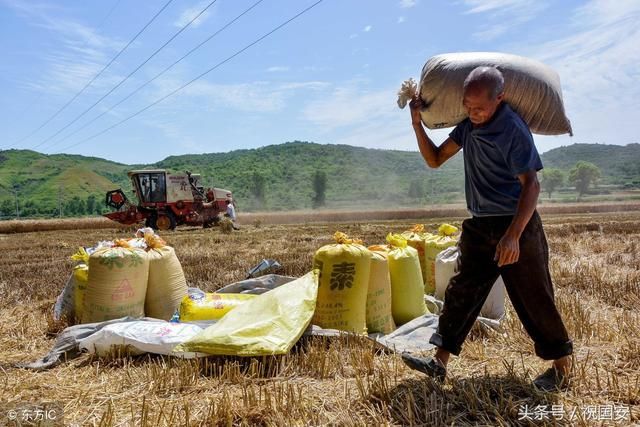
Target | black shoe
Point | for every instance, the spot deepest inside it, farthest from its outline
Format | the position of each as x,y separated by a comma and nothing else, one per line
427,365
551,380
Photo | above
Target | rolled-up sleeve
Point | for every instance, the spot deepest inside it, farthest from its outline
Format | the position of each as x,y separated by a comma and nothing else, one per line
458,134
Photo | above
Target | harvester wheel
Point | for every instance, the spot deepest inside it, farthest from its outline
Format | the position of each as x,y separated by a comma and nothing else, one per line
163,221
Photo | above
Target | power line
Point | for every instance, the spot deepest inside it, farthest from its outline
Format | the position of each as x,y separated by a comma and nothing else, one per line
102,22
94,77
196,78
229,58
198,46
127,76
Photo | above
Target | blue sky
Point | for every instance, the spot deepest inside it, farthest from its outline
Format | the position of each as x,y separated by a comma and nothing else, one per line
330,77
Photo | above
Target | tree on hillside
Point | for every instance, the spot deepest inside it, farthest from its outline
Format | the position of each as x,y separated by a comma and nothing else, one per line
416,189
319,188
552,179
258,186
91,205
7,208
582,175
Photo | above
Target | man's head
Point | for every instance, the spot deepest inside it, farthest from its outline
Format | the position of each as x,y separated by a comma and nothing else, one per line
483,93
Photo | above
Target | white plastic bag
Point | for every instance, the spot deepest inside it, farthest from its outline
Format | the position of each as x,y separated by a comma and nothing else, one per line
446,262
143,336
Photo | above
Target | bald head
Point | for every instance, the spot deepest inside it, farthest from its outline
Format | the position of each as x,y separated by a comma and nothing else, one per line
483,79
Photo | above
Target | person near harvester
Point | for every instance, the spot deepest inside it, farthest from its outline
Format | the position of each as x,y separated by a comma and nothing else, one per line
503,237
231,214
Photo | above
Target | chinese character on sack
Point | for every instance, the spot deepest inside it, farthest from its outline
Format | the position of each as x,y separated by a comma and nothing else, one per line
342,275
318,264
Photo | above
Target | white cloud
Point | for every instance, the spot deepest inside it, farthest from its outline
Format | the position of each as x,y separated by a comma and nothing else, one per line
260,96
367,28
191,12
401,19
277,68
502,16
351,114
408,3
81,53
598,66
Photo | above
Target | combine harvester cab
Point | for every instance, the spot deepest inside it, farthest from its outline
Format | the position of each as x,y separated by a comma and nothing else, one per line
166,200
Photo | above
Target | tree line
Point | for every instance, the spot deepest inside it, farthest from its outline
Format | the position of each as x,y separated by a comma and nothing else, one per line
582,176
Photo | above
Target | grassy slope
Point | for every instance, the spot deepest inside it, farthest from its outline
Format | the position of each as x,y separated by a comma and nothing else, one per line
354,174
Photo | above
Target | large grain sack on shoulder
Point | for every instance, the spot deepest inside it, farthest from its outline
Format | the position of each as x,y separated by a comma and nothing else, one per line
446,267
446,237
167,285
117,284
416,239
379,315
344,281
407,288
531,88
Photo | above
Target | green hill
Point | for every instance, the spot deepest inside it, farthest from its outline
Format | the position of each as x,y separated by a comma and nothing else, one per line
620,164
356,177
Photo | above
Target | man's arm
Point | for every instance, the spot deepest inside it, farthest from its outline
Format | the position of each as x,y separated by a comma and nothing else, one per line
508,249
434,156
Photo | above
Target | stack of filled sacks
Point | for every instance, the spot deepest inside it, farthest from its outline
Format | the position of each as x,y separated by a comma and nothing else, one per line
345,269
407,288
132,277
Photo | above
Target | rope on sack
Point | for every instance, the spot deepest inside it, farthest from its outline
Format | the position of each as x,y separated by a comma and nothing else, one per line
397,240
407,92
343,239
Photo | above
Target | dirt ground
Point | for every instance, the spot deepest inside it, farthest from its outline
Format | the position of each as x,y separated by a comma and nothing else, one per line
595,264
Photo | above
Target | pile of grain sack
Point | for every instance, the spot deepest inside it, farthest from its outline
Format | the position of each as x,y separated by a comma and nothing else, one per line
377,288
126,277
139,277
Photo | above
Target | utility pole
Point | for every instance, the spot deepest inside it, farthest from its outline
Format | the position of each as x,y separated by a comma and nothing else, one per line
15,194
60,201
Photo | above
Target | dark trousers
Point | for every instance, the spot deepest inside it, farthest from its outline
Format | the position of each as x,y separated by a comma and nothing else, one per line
527,281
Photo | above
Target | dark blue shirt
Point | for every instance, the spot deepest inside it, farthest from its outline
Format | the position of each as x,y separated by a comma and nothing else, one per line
494,155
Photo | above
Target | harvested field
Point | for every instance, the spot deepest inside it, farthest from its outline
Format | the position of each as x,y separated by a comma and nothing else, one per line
595,263
318,216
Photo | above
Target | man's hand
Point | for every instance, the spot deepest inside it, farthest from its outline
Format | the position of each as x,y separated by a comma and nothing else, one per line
416,105
508,249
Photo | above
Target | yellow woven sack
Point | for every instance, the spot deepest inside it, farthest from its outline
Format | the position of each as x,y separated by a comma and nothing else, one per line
80,277
344,281
379,316
210,306
434,245
167,285
416,239
269,324
117,284
407,289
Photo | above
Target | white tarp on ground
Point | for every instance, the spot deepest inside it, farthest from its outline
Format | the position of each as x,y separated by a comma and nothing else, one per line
159,336
142,336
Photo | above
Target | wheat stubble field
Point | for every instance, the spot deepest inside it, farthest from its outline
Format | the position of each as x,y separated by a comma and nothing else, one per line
595,263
